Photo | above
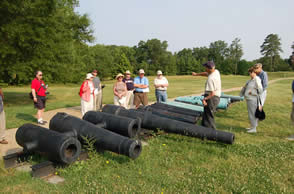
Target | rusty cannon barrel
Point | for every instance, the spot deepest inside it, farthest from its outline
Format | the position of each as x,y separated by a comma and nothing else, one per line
153,122
176,109
103,139
58,147
125,126
171,115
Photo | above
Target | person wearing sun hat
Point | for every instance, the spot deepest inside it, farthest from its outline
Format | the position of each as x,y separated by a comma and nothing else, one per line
212,93
120,91
87,94
160,84
141,84
129,81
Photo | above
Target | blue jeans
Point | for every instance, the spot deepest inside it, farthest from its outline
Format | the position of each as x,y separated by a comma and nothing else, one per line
161,95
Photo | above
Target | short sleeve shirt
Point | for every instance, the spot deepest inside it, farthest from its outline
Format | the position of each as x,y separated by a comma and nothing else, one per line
163,80
213,83
39,87
264,79
96,82
129,83
144,81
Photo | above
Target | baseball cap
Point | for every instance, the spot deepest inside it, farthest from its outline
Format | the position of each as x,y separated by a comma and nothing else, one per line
209,64
159,72
141,71
128,72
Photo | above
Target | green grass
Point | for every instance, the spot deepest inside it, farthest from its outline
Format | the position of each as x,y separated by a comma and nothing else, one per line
255,163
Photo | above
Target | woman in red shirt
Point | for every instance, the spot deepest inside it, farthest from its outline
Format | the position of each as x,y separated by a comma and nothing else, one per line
39,95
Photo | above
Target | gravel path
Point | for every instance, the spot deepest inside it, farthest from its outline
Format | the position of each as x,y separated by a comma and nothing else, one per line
13,147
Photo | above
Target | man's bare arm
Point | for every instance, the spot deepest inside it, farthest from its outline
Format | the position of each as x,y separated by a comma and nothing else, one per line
200,74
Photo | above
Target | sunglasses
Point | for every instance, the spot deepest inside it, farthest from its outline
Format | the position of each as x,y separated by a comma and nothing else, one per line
40,75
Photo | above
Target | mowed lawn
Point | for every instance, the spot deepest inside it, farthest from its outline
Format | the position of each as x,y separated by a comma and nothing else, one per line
255,163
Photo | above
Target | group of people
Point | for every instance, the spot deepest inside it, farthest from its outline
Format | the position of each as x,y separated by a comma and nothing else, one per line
132,92
254,93
128,92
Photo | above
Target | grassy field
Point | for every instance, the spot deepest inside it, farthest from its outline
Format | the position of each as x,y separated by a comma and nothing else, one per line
256,163
19,108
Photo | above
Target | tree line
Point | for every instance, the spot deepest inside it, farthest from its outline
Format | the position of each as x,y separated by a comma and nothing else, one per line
49,35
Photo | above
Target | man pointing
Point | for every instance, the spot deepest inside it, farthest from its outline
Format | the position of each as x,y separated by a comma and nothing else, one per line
212,93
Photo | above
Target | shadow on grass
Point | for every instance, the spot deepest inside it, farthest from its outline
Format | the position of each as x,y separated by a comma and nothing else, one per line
17,98
189,139
230,128
26,117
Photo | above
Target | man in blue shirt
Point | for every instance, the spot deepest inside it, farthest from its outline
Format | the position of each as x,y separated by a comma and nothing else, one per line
141,85
264,81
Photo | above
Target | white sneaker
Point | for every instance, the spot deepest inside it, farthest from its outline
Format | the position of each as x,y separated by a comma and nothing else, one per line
252,131
290,138
248,128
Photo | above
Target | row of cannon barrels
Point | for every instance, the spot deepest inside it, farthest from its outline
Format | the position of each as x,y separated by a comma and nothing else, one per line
115,129
62,142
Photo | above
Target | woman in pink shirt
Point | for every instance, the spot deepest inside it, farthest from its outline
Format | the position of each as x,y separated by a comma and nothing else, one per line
87,94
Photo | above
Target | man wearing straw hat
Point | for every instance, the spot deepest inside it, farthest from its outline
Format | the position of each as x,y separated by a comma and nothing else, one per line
160,84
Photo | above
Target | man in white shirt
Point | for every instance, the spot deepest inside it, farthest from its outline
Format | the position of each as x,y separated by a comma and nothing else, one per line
212,93
160,84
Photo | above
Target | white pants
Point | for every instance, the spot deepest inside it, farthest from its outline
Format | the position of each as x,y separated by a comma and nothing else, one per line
87,106
263,97
120,102
251,108
130,99
98,100
2,125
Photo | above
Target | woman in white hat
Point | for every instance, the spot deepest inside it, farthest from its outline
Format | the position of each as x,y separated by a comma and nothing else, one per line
160,84
87,94
120,91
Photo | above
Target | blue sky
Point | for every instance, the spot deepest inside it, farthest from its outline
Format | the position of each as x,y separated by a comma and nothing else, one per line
192,23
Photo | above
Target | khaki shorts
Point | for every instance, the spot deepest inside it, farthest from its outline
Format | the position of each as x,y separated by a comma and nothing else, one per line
140,98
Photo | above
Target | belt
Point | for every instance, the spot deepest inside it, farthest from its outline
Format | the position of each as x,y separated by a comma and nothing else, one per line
138,92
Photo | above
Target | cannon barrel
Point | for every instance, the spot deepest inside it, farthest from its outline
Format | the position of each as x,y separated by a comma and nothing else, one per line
104,139
176,109
171,115
151,121
122,125
64,148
